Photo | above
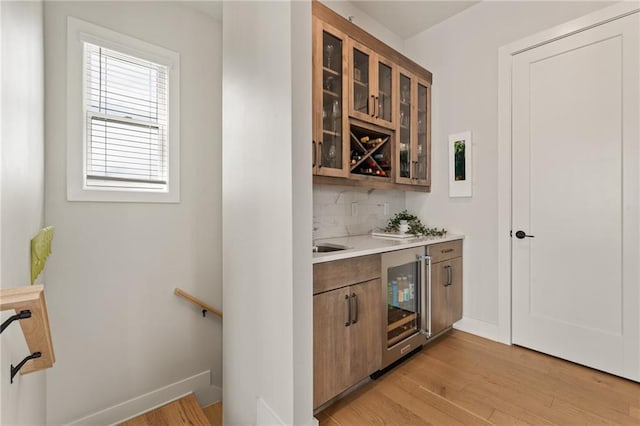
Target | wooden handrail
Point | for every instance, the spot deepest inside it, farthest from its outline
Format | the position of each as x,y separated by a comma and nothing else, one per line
36,328
196,301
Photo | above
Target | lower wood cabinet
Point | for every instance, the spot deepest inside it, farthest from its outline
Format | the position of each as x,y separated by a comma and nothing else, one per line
346,338
348,308
446,285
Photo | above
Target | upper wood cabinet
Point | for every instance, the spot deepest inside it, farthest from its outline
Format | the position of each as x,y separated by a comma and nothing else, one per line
330,151
372,86
371,109
413,155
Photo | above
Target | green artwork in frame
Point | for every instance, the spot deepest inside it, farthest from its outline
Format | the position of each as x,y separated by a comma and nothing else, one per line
460,178
459,160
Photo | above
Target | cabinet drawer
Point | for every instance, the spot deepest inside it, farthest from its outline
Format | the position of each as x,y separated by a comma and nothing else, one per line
340,273
445,251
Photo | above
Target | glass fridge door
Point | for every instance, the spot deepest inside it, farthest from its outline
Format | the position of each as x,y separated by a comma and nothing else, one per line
403,310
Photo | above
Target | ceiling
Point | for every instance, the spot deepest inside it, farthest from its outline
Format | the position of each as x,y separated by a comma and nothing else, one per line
408,18
402,17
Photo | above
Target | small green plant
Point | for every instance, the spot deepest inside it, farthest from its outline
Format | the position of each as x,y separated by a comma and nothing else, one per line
415,225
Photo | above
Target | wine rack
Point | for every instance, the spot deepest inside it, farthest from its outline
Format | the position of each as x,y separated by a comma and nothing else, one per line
370,153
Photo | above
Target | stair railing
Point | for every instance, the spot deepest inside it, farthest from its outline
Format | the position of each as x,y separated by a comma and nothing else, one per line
205,307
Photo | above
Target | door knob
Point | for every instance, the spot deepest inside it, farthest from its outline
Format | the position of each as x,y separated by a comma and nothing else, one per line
521,234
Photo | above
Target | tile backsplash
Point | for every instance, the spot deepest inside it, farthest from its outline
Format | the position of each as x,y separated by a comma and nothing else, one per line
332,210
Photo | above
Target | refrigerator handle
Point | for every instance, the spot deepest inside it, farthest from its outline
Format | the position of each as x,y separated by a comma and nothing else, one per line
425,295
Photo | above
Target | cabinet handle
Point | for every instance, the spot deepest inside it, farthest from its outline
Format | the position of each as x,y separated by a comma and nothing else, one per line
355,300
415,170
377,107
446,251
313,153
348,322
319,154
373,107
449,275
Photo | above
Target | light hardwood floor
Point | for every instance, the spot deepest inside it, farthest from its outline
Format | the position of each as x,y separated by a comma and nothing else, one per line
214,413
462,379
184,411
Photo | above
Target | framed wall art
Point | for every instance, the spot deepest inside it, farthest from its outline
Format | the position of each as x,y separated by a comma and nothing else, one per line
460,177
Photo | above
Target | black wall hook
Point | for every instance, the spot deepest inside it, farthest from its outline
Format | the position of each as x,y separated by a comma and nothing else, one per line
14,370
22,315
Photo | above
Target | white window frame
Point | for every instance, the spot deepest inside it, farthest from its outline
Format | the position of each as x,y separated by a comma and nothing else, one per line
79,32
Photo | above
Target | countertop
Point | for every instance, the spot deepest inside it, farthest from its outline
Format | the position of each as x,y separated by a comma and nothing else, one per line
361,245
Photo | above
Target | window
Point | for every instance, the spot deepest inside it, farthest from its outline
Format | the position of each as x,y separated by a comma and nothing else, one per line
122,118
126,110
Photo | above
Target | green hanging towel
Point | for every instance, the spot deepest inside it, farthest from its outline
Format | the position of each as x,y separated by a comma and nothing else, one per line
40,250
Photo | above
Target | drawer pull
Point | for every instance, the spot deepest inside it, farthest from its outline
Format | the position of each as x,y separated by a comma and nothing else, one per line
355,315
446,251
449,275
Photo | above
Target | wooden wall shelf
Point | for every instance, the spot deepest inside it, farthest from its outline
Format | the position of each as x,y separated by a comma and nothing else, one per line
36,329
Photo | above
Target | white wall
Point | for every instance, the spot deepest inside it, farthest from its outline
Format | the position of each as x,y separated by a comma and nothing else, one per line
366,22
302,211
21,192
462,53
118,329
267,213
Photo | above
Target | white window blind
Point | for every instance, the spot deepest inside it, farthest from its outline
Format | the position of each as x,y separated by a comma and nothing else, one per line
126,112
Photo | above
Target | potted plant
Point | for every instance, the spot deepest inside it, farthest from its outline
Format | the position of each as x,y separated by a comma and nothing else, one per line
409,223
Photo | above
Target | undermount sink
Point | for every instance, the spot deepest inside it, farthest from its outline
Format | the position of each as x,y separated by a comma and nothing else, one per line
327,247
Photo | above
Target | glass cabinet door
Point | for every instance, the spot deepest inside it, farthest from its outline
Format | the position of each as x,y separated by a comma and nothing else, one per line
423,125
329,109
404,140
383,99
361,82
414,134
371,78
331,146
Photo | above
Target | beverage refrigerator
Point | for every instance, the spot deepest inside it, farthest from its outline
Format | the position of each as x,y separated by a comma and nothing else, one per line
406,299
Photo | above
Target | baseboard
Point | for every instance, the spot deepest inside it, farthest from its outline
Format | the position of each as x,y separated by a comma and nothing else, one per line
209,395
266,415
143,403
480,328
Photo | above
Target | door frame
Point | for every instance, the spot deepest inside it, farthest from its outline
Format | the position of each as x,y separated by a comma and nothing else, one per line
505,58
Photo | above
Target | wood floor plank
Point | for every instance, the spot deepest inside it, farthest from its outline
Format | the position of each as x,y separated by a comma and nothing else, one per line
213,413
612,387
462,378
380,409
496,401
326,419
500,418
427,404
184,411
601,405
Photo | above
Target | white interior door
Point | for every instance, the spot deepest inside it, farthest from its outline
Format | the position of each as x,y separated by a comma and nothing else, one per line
575,190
